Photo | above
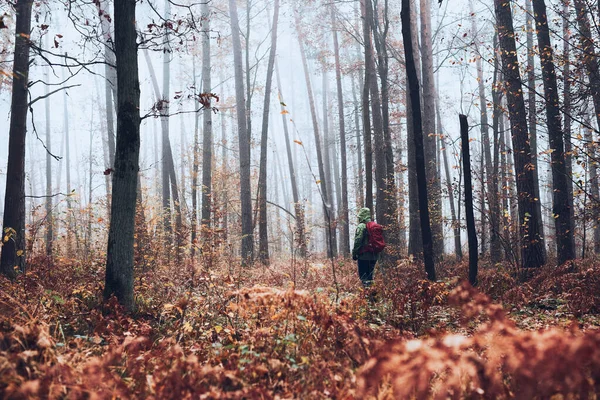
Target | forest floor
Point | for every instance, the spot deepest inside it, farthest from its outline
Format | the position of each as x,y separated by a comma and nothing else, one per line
221,331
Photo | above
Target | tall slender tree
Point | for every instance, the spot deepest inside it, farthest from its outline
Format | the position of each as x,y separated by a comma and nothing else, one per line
263,252
529,218
532,115
472,234
429,134
366,116
244,139
360,198
195,170
327,159
49,198
415,237
207,131
343,212
566,32
561,196
119,256
110,72
13,224
413,82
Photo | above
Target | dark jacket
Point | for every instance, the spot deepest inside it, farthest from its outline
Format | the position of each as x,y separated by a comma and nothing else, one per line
361,237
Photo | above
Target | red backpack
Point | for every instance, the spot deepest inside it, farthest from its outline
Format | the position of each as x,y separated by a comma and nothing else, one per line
376,242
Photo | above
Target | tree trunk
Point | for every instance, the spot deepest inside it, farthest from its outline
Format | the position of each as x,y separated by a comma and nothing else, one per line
365,112
327,214
389,191
413,82
401,200
361,185
529,218
244,139
110,87
224,162
195,168
248,71
177,204
169,180
567,108
343,211
494,195
434,189
415,241
49,198
90,198
207,132
378,136
327,147
71,228
119,256
163,101
263,252
533,116
561,195
13,224
482,210
506,211
471,232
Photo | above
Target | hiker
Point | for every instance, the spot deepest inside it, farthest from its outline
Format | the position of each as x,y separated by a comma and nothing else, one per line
368,243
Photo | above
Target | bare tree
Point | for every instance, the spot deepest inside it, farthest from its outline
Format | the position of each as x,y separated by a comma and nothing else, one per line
207,131
466,159
13,224
119,256
327,149
263,252
413,82
195,169
49,197
429,136
415,237
110,87
529,218
343,212
566,32
561,195
366,117
244,139
531,103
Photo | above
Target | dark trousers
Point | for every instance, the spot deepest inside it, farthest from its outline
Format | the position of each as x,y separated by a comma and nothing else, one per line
365,271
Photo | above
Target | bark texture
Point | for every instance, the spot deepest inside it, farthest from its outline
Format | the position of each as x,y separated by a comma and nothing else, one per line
532,251
413,82
13,224
119,256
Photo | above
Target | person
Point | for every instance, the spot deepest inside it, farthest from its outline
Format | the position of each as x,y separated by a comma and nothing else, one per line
366,259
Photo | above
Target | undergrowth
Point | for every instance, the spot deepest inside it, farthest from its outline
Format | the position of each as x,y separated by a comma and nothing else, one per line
276,332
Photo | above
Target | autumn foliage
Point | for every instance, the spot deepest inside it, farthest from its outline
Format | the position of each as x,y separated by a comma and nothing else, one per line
222,333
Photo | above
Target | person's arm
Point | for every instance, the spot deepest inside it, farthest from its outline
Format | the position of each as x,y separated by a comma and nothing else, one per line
358,239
